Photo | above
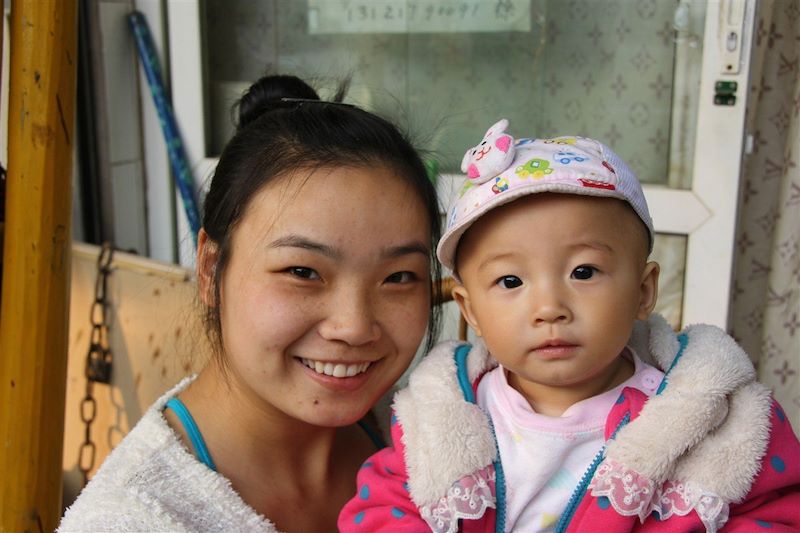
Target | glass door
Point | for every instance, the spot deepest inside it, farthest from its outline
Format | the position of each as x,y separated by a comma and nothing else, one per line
662,82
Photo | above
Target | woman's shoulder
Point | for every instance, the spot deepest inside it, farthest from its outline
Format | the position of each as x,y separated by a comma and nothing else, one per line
152,482
119,496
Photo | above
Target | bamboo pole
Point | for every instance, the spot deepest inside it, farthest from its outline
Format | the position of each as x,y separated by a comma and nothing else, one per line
35,285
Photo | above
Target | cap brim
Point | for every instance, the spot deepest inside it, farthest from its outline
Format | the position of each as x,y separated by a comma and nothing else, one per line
448,244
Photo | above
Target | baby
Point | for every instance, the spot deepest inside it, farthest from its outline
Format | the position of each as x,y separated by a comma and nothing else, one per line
575,409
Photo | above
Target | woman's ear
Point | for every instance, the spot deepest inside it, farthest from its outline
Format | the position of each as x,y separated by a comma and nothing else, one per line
207,257
648,290
461,297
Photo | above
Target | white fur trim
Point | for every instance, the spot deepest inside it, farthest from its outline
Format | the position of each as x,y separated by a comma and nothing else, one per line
707,432
445,436
728,459
654,336
695,401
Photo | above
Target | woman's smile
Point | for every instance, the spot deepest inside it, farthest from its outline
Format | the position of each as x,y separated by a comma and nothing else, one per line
338,377
336,370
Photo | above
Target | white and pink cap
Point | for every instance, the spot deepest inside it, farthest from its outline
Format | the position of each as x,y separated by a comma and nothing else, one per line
567,164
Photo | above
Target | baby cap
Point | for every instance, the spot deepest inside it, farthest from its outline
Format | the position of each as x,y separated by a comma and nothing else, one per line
500,170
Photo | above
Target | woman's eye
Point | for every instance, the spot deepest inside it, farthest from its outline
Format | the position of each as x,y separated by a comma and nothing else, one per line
583,272
303,272
509,282
401,277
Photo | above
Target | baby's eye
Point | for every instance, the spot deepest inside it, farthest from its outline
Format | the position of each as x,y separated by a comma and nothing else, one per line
401,277
583,272
509,282
303,272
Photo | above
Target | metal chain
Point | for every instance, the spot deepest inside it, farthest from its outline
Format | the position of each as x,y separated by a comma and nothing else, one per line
98,360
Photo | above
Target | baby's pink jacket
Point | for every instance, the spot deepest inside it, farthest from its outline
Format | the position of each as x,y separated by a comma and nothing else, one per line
712,450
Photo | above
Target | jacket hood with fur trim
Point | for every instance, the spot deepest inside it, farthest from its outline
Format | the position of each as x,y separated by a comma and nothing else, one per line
709,427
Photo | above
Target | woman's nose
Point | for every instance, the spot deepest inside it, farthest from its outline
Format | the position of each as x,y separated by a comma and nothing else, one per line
351,319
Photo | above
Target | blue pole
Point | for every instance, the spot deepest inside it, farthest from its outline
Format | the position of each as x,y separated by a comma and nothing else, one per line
175,149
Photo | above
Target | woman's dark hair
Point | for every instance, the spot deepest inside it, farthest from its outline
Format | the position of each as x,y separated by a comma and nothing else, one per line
284,126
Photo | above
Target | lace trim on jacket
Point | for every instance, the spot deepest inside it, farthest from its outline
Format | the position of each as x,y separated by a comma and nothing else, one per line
632,494
467,498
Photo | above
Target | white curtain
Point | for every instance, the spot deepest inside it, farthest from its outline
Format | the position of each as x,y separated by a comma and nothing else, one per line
766,295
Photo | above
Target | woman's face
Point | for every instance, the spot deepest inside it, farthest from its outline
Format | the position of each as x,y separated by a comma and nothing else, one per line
326,294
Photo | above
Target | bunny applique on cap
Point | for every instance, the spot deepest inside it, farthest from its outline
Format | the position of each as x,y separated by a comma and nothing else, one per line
491,157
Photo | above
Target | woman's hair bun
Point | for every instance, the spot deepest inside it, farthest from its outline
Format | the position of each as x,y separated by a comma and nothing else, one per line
265,94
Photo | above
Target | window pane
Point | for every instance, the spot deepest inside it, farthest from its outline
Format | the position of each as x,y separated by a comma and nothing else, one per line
623,71
669,252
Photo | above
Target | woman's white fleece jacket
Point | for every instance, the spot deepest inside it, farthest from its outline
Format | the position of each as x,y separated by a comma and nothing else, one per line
151,482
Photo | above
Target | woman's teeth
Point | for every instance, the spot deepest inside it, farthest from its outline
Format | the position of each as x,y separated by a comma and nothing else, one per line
337,370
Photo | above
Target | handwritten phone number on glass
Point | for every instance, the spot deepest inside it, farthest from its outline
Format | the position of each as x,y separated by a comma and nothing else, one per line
400,16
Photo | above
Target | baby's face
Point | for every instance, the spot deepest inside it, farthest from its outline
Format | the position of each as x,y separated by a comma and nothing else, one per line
553,284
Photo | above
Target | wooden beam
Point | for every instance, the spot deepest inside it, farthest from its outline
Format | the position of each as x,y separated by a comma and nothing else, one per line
35,286
2,27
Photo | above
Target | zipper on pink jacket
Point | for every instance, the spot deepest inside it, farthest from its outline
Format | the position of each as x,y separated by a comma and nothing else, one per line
580,490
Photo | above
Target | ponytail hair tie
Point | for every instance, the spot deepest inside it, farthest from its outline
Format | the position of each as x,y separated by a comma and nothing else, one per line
301,101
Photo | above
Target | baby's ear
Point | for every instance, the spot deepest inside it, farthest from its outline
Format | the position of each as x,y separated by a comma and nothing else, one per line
207,257
461,297
648,290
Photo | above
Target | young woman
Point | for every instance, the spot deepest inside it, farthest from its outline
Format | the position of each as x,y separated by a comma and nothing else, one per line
314,266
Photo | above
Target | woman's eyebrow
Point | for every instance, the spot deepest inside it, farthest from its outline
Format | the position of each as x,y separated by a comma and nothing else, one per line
297,241
390,252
